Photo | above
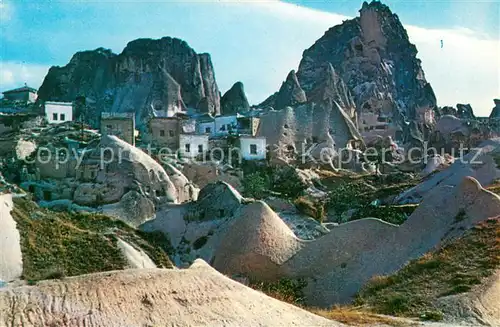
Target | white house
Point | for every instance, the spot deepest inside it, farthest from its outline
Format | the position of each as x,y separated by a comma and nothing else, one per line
58,112
192,145
224,124
253,147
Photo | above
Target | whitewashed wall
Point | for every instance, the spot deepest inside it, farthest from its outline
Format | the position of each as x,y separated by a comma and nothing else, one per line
194,141
246,142
58,108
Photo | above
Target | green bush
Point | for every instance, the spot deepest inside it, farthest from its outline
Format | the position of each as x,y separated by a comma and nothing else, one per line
255,185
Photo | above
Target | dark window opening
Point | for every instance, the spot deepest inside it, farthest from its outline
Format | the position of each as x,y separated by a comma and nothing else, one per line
200,148
162,133
54,116
286,126
208,130
223,128
221,213
188,147
31,188
92,174
82,175
47,195
253,148
315,139
62,117
171,133
109,127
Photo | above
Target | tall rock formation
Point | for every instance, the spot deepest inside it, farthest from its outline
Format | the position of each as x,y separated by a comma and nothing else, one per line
234,100
290,93
150,77
373,56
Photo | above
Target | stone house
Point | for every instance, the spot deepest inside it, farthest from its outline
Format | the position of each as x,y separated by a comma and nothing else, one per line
121,125
24,94
165,131
253,147
248,125
226,124
193,145
58,112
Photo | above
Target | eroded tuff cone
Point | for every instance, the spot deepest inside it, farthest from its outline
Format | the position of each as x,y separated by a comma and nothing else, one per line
122,83
290,93
331,88
495,113
234,100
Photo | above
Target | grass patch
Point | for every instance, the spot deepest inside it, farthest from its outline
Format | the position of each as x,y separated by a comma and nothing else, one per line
58,244
356,317
286,290
453,269
394,214
291,291
358,192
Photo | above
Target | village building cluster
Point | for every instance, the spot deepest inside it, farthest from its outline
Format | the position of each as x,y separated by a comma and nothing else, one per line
186,135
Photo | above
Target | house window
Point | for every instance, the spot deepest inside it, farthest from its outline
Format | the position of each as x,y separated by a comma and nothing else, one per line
253,148
223,128
208,130
92,174
109,127
171,133
54,116
162,133
200,148
62,117
82,175
188,147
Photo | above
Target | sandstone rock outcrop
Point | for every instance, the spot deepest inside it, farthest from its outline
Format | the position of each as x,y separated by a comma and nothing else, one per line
480,163
234,100
373,56
322,125
290,93
263,247
198,296
150,77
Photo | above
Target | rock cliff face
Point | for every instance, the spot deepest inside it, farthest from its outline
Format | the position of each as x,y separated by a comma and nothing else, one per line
234,100
150,78
372,56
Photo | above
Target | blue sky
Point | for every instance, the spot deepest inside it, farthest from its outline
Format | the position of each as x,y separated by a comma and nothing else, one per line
256,42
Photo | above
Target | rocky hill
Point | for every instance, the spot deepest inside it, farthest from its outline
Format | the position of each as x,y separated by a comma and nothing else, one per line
373,56
150,77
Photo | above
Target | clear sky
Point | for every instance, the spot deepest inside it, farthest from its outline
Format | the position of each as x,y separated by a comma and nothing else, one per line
256,42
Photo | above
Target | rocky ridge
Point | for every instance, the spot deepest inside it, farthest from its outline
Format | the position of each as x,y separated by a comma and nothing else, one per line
150,78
